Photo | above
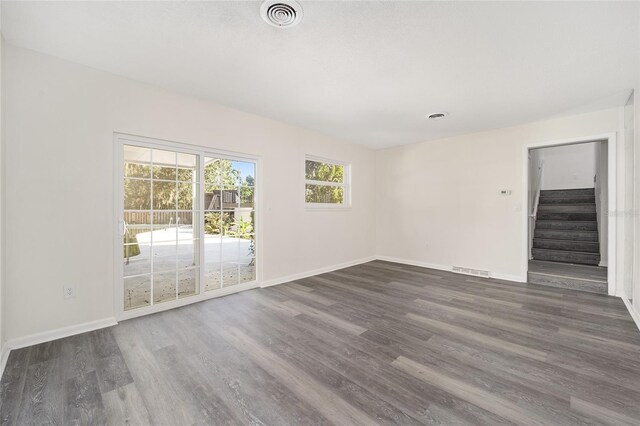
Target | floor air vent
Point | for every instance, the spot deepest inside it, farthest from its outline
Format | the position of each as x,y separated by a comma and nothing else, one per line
474,272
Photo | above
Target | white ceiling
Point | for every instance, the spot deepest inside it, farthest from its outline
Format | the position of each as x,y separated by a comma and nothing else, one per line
366,72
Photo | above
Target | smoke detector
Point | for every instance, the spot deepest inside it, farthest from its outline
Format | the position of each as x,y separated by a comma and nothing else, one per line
281,13
437,115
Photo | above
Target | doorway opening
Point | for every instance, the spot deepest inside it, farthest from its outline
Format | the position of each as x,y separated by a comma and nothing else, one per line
570,235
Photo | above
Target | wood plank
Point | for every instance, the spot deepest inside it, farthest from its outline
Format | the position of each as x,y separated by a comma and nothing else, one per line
301,383
248,390
328,318
489,341
83,401
12,385
126,406
488,401
42,399
112,372
606,416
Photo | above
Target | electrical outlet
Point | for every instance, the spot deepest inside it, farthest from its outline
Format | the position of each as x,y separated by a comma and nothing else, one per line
68,292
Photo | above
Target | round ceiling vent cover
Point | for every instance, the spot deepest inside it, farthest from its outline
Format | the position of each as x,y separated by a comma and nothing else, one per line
281,13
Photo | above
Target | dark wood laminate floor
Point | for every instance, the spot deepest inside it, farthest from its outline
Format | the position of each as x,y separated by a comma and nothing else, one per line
596,273
376,343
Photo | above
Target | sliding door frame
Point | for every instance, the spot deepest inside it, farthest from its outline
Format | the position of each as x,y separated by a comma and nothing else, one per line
122,139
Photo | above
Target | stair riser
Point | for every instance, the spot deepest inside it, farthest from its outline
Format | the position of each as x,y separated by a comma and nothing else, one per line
562,208
583,246
569,283
566,216
567,192
566,256
566,235
583,199
567,225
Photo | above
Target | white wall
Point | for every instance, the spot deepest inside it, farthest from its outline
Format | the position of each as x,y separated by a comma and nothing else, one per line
636,200
602,199
569,167
2,205
535,184
439,203
535,174
60,119
627,219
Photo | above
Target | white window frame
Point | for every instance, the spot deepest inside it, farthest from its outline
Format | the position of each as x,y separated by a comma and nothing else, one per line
346,185
121,139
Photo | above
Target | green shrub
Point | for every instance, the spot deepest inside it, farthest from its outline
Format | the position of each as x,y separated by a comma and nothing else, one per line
241,228
216,223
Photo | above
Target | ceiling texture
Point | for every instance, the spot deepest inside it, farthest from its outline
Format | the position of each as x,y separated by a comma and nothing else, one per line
366,72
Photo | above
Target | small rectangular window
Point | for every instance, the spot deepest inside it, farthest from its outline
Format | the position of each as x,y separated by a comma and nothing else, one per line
326,183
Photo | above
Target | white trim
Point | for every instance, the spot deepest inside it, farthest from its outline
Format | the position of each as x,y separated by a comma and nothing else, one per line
612,215
346,185
611,194
188,148
448,268
604,263
118,281
323,183
325,207
508,277
634,314
4,357
321,159
59,333
206,295
416,263
301,275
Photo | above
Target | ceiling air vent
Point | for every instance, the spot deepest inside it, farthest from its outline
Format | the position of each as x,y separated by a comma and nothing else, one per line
281,13
437,115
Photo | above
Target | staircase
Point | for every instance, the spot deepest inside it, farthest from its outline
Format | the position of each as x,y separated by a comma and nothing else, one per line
566,227
566,247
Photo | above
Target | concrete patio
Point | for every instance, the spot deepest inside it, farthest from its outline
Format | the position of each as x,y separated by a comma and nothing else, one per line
228,261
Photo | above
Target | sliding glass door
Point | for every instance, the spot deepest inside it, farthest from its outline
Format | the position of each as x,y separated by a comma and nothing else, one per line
188,224
229,222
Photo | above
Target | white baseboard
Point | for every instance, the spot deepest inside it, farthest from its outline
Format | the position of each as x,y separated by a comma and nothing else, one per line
59,333
506,277
415,263
634,314
318,271
4,356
